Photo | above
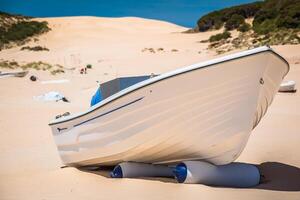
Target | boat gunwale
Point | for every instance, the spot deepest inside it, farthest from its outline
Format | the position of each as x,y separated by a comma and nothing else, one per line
201,65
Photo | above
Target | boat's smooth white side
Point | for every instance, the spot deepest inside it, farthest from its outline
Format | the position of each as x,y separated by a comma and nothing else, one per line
201,112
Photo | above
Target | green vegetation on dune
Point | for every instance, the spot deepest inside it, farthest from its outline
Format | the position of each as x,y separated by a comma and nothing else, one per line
271,22
276,15
52,69
216,19
244,27
4,15
35,48
18,29
234,22
269,15
23,30
225,35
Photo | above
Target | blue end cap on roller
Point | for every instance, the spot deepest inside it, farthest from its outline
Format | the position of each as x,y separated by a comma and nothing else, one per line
180,172
117,172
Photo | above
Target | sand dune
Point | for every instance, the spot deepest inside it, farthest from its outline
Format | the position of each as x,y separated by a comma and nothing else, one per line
30,165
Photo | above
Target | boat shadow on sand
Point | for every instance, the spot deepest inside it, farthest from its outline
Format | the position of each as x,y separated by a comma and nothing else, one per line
276,176
279,176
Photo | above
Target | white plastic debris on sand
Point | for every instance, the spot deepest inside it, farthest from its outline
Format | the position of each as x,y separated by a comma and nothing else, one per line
13,74
5,75
50,96
287,86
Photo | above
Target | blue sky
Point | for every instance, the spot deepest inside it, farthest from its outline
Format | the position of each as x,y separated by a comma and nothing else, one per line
182,12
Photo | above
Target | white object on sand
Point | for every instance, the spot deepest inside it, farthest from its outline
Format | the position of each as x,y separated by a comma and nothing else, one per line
231,175
5,75
55,81
205,111
50,96
134,170
287,86
13,74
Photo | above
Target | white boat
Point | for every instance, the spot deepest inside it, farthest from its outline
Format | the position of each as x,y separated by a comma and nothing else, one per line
287,86
205,111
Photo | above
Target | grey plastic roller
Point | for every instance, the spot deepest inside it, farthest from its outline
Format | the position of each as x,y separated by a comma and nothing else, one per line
134,170
231,175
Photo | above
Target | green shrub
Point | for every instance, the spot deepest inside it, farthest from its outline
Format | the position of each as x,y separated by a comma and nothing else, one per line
244,27
17,28
36,48
7,15
89,66
276,15
211,21
216,19
23,30
220,36
234,22
269,16
57,71
8,64
53,69
274,23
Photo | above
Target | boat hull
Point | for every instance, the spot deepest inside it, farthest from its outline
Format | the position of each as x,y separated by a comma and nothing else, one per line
205,113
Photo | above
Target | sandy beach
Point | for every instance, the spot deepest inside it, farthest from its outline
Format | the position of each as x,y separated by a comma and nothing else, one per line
30,165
